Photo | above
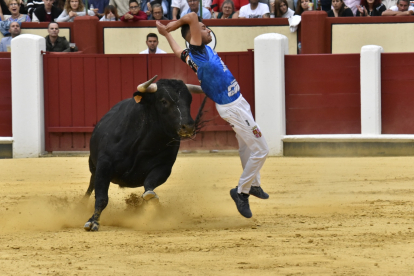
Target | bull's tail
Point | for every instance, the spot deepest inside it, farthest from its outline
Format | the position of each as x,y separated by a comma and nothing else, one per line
92,180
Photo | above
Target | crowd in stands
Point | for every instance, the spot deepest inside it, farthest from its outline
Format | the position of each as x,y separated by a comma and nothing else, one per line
16,11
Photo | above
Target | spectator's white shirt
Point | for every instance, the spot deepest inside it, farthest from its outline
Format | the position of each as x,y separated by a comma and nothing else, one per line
183,5
206,13
395,8
288,14
247,12
159,51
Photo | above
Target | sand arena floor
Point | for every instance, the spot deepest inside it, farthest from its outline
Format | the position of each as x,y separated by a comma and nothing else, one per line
325,216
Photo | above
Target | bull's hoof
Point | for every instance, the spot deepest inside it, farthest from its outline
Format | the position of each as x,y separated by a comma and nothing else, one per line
91,225
150,196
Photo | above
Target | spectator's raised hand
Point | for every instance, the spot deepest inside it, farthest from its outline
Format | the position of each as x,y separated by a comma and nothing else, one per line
361,10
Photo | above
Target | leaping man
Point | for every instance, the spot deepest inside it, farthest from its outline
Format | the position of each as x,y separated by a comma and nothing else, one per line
218,84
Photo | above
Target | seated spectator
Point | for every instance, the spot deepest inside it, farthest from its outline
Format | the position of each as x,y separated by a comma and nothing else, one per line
237,4
98,6
227,11
15,15
54,42
146,6
46,12
254,10
280,9
302,6
370,8
403,8
135,13
194,6
157,13
152,43
72,9
5,43
110,14
339,9
4,8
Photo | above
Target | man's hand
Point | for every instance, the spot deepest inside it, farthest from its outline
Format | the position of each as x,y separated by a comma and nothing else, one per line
161,28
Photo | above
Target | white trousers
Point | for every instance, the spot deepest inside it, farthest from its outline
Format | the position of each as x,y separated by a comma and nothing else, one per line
253,148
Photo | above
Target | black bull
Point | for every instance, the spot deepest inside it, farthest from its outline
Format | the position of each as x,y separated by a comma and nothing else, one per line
136,144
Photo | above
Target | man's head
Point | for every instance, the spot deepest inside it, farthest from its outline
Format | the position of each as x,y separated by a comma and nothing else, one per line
194,5
152,43
157,12
403,5
205,32
48,4
134,6
14,29
53,29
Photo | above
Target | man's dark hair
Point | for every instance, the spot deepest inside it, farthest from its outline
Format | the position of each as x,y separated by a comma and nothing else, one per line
52,23
186,28
152,35
134,1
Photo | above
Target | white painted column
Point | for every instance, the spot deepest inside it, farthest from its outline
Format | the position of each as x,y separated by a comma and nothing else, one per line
371,89
269,73
27,95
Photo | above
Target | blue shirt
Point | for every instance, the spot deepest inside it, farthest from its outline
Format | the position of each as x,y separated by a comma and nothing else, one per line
215,78
206,13
5,41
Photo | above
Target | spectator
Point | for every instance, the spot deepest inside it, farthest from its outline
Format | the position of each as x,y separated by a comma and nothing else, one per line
302,6
254,10
46,13
110,14
370,8
157,13
227,11
15,15
5,43
4,8
339,9
135,13
237,4
178,6
32,5
195,7
280,9
403,8
98,6
146,6
72,9
121,5
54,42
152,43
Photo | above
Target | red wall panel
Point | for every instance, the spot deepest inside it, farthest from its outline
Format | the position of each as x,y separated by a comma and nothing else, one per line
397,94
5,97
322,94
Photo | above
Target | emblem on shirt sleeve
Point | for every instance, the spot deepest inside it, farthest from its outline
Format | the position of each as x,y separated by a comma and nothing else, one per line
256,132
233,88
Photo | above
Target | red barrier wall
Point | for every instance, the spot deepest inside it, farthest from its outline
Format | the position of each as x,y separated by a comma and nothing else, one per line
397,96
322,94
5,96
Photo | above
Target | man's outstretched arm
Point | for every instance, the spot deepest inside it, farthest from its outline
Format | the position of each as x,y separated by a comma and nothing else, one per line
192,20
162,30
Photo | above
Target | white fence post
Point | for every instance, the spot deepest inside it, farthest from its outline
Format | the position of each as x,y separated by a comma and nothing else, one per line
27,95
269,74
371,89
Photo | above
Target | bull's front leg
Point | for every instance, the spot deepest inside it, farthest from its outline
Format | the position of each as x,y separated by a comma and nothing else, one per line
102,181
154,179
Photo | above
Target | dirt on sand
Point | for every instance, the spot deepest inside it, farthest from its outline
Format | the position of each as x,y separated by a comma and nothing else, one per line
325,216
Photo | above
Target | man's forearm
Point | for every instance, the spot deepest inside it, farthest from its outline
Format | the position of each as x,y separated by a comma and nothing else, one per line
175,13
174,46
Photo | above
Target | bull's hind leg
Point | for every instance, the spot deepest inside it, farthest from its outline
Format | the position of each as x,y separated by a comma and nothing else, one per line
101,184
154,179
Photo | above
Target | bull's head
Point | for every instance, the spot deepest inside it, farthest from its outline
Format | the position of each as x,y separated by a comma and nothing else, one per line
172,100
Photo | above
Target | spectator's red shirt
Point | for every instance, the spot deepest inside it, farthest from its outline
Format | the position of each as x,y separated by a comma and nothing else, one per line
237,4
140,16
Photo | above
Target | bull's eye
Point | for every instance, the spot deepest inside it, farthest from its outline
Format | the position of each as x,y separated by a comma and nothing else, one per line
164,102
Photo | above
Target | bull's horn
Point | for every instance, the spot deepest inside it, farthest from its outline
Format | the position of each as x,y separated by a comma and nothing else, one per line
148,86
196,89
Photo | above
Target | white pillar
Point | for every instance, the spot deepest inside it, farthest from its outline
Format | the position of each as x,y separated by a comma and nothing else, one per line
27,95
371,89
269,75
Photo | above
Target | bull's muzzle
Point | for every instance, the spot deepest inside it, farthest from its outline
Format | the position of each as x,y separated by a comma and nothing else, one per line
186,131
